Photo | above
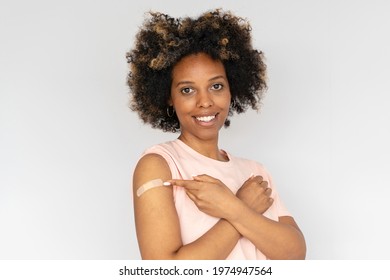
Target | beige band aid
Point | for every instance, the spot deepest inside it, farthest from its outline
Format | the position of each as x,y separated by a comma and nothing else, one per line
149,185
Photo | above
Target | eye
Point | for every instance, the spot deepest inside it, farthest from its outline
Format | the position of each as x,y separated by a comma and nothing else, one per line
217,86
187,90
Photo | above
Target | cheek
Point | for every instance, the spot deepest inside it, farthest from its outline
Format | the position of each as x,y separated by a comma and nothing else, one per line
182,108
183,104
225,102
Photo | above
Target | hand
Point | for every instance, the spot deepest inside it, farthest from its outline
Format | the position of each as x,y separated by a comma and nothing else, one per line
256,194
210,195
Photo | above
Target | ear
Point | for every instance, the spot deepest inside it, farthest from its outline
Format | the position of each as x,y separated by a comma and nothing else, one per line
169,102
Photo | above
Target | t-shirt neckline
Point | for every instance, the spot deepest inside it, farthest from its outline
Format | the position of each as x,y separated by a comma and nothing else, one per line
203,157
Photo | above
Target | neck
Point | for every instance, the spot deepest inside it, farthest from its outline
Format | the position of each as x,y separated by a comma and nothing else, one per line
208,148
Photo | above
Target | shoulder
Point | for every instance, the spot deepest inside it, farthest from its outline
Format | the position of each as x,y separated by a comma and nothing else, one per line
151,160
152,165
170,151
157,158
167,150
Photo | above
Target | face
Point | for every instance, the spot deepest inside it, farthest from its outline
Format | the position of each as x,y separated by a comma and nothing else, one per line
200,95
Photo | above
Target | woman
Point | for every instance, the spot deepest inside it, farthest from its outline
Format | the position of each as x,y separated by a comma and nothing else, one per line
193,200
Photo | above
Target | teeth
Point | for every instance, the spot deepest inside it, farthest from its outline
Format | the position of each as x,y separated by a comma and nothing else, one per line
205,119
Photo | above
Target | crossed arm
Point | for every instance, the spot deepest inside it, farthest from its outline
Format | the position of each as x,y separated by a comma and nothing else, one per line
157,223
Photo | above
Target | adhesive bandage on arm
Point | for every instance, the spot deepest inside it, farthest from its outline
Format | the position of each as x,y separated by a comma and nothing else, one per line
150,185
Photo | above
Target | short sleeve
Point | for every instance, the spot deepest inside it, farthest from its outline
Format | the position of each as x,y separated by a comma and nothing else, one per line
168,158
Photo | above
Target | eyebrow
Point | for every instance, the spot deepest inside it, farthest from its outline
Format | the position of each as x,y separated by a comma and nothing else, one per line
210,80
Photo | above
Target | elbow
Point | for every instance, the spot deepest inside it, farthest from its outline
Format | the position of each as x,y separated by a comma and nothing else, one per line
159,255
292,250
299,254
297,248
297,251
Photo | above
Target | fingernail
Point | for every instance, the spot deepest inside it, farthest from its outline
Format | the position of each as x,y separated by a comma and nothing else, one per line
167,184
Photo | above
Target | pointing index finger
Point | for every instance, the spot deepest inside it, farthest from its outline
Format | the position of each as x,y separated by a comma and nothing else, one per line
188,184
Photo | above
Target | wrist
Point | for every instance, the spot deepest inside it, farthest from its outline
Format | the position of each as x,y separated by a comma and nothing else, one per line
236,208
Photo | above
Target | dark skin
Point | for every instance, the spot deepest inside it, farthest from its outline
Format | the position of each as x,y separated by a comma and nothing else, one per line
201,97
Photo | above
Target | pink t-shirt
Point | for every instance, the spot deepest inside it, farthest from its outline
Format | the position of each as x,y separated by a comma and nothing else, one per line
185,162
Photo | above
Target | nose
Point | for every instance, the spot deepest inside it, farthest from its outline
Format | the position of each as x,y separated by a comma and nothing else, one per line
205,99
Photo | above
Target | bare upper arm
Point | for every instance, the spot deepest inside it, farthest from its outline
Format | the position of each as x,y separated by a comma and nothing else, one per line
157,224
149,167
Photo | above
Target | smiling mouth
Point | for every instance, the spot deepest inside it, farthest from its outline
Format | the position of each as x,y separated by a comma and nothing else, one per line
205,118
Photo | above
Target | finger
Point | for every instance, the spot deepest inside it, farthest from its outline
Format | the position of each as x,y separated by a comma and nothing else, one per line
250,177
191,196
205,178
268,191
264,184
188,184
259,178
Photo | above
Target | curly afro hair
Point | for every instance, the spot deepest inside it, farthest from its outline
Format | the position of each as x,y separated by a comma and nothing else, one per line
162,41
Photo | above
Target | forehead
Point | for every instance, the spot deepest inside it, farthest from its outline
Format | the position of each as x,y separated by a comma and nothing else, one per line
196,66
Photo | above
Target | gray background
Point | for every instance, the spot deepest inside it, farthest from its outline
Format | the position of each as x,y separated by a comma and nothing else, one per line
68,142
